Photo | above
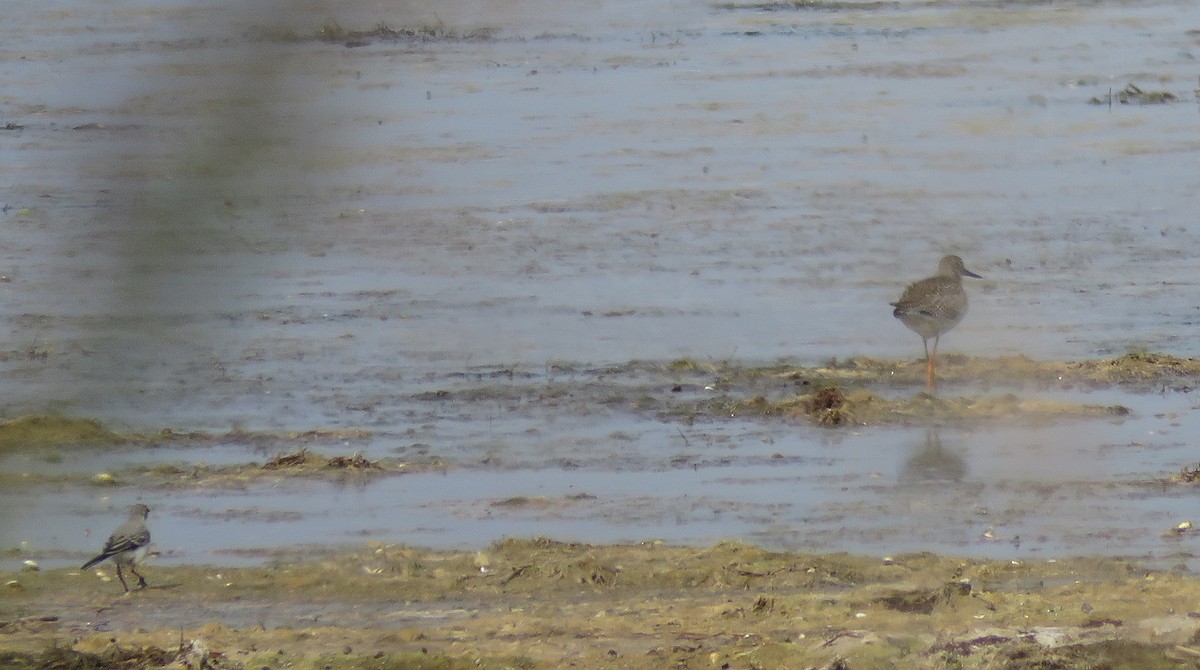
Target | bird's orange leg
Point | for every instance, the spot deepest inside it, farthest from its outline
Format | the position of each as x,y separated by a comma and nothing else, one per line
928,366
931,376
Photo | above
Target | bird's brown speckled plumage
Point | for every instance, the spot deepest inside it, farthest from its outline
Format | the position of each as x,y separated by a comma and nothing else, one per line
932,306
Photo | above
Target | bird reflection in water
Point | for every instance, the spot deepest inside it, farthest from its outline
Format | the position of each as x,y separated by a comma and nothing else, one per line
931,462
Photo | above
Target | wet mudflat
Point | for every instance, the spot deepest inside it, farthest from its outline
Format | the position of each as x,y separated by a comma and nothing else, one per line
607,273
539,603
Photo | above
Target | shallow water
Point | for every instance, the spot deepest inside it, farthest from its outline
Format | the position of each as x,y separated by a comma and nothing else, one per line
1079,487
210,226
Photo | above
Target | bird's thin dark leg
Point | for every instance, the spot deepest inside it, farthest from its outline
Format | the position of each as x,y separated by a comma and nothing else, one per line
122,578
141,579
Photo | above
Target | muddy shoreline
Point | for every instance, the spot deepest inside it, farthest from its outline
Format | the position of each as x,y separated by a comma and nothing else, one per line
541,604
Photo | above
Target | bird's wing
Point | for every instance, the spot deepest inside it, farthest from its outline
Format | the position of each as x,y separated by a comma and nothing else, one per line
930,298
915,296
128,537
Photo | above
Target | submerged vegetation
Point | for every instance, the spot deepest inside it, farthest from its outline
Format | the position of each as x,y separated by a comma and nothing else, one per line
333,32
833,407
1137,372
853,391
803,5
51,430
1135,95
837,395
850,392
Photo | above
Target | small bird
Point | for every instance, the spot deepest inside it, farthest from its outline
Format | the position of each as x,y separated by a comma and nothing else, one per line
932,306
127,545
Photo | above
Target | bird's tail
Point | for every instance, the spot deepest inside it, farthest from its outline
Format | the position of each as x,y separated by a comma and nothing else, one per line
94,561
